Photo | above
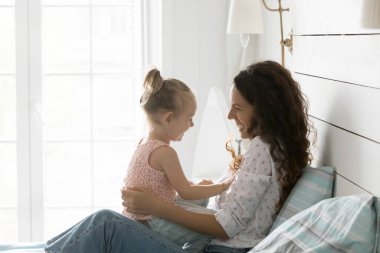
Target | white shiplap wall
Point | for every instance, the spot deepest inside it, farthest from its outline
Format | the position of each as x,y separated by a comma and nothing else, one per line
337,62
335,59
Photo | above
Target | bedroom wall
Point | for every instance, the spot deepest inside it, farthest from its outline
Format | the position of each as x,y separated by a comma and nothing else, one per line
335,59
196,49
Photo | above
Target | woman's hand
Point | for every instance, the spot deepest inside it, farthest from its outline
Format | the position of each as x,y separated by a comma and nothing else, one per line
140,200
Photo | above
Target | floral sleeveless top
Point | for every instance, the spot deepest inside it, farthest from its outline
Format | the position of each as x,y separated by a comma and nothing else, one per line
140,174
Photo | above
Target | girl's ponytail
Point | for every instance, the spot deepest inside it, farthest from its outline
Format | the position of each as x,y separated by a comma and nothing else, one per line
153,81
160,93
152,84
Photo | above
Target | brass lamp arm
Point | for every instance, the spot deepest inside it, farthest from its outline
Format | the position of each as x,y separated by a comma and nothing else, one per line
279,9
288,42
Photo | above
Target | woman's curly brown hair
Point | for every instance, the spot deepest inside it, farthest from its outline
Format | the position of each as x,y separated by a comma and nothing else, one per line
236,158
281,119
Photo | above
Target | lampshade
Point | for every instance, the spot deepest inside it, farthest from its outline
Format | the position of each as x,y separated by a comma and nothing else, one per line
371,14
245,17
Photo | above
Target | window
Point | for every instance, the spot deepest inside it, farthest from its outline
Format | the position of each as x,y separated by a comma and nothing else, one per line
8,172
69,124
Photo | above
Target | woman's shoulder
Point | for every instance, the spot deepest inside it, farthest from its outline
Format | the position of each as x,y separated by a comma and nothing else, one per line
257,157
258,143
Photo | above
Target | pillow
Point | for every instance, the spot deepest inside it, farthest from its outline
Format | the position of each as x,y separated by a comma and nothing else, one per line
341,224
314,185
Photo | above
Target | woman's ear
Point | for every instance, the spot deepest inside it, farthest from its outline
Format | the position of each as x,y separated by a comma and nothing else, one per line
167,117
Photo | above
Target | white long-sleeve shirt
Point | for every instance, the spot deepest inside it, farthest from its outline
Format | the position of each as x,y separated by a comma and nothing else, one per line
247,210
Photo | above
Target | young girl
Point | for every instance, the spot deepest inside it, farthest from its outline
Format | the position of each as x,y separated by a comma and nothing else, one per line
169,105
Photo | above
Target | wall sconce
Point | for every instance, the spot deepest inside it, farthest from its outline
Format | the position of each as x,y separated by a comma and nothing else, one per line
245,18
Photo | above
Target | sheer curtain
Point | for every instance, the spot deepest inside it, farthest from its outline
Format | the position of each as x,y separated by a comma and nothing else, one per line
69,87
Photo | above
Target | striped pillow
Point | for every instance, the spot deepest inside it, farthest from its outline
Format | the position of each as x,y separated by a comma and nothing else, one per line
314,185
341,224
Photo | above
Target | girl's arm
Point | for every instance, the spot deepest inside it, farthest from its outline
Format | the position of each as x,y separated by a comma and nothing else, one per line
140,201
165,158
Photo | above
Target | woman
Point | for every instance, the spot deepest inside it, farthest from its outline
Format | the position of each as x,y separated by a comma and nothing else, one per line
269,110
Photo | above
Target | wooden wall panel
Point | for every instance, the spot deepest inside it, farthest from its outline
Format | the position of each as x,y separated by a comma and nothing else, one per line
353,59
355,158
330,17
336,59
344,187
351,107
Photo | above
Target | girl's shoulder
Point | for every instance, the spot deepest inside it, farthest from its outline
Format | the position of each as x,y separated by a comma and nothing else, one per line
158,147
162,155
151,146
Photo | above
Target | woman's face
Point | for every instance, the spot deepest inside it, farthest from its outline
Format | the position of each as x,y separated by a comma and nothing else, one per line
242,112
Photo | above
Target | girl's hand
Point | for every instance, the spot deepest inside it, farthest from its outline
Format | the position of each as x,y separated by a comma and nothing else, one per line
140,200
227,183
205,182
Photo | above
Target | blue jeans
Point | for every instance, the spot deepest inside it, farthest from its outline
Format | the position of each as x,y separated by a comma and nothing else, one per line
189,240
109,232
222,249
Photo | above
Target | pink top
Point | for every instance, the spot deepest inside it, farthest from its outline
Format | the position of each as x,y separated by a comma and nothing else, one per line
140,174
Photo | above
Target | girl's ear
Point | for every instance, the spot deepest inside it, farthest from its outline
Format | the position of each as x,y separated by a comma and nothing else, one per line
167,117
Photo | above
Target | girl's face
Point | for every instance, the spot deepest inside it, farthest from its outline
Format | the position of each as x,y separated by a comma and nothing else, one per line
183,121
242,112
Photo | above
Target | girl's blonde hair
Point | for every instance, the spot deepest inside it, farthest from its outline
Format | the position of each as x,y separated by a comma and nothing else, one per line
163,93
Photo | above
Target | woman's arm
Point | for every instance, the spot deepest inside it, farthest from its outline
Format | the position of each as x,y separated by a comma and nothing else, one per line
143,202
166,159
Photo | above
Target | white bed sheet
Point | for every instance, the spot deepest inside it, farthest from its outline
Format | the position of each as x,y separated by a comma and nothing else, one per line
24,247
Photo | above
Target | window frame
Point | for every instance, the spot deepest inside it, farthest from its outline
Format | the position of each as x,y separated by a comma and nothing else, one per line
29,134
29,127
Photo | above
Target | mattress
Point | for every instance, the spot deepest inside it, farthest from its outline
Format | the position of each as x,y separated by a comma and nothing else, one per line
24,247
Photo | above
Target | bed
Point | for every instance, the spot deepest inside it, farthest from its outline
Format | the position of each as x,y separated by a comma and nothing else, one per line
311,220
30,247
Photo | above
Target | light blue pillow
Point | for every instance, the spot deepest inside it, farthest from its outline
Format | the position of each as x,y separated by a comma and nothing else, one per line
341,224
314,185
